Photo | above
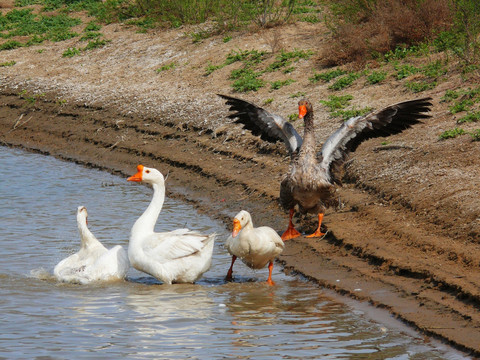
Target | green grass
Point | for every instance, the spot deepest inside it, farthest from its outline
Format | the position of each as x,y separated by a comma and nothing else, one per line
349,113
71,52
469,118
405,70
419,86
285,59
210,68
326,76
246,80
298,94
345,81
475,135
268,101
166,67
450,134
8,63
376,77
275,85
337,102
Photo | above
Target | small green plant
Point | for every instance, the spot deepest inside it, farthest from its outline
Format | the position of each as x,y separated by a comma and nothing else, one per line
166,67
312,19
92,26
376,77
419,86
249,57
275,85
95,44
337,102
405,70
8,63
292,117
268,101
210,68
475,135
10,45
450,134
434,70
462,105
199,36
246,80
31,99
470,117
347,114
71,52
327,76
298,94
227,39
90,35
285,59
450,95
345,81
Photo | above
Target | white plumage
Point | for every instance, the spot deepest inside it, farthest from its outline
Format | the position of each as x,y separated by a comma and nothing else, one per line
256,247
93,262
179,256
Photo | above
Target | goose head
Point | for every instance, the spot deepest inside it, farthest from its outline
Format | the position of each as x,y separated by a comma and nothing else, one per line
82,215
240,220
304,107
147,175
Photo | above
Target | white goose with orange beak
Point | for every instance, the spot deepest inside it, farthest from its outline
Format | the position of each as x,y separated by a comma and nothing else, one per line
93,262
179,256
254,246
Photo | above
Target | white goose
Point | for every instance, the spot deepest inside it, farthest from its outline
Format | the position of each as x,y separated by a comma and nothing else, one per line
179,256
254,246
94,262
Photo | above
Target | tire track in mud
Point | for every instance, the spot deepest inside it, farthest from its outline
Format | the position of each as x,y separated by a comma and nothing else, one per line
397,260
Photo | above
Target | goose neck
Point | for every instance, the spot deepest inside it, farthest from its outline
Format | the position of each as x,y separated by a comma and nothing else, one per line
147,221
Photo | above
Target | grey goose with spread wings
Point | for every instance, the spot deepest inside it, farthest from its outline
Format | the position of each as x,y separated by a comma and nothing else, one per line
312,176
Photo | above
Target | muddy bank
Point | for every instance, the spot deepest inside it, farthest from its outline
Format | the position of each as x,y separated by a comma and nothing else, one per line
375,250
408,236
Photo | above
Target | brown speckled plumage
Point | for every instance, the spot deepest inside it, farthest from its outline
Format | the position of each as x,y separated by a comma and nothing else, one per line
312,175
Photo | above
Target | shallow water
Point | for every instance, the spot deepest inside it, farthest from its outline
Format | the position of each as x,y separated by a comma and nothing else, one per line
141,319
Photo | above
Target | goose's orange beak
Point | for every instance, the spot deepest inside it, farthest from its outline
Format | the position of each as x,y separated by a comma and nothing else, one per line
302,111
138,176
236,227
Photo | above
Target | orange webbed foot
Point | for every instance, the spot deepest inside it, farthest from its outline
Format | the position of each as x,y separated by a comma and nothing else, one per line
318,232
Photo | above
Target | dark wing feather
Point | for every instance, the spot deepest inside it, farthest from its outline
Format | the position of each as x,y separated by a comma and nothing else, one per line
269,127
390,120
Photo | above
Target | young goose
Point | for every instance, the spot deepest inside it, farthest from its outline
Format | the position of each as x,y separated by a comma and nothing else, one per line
254,246
93,262
179,256
312,175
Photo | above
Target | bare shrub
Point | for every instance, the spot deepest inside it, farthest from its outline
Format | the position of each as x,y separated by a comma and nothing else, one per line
380,26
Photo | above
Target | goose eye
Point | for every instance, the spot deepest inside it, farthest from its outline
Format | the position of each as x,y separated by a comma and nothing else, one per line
147,171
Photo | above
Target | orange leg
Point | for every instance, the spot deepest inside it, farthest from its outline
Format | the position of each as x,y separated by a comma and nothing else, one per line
230,271
317,232
270,269
290,233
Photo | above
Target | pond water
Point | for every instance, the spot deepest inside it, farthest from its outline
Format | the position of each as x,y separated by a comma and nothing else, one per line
139,318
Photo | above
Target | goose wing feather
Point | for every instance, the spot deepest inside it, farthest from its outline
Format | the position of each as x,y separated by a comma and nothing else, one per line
173,245
390,120
270,127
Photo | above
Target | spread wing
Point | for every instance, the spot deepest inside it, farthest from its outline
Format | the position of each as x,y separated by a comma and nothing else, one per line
269,126
390,120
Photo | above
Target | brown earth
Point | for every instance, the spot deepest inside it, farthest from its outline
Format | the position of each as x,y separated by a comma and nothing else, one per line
408,236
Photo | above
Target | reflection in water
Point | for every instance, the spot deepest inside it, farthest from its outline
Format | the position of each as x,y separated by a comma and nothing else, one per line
140,318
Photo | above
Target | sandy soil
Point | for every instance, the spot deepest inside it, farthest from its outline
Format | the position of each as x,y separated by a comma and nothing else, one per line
408,236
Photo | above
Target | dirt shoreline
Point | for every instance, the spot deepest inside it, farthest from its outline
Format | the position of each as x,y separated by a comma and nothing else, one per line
407,238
